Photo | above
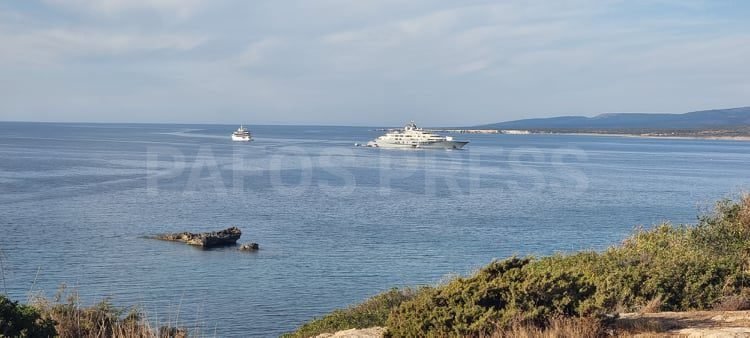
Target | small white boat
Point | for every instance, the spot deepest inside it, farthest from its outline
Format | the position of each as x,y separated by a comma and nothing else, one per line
242,135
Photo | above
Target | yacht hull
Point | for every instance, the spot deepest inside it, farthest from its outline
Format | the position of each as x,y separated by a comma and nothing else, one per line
424,145
241,138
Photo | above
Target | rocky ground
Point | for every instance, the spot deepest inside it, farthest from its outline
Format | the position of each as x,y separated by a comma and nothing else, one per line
688,324
373,332
705,324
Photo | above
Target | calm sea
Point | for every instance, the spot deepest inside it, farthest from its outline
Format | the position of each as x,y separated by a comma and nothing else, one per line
335,223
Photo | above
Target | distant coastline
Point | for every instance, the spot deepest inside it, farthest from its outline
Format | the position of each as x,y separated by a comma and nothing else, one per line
731,135
707,134
660,136
717,124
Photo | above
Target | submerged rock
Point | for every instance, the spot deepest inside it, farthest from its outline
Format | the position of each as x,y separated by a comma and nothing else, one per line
249,247
224,237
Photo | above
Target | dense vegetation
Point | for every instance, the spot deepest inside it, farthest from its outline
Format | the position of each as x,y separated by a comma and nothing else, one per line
18,320
717,119
674,268
69,318
372,312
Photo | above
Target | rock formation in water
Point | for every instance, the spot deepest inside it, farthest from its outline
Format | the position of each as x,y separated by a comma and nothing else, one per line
249,247
224,237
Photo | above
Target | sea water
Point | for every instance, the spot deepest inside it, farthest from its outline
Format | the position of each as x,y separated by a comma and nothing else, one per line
335,223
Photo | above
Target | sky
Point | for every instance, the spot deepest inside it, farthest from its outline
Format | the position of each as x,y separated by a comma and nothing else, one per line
367,62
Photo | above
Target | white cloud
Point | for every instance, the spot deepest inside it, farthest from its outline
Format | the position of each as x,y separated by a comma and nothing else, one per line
471,67
398,32
256,52
51,46
284,60
177,8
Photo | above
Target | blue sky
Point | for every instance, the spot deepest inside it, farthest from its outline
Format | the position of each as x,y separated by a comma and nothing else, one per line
367,62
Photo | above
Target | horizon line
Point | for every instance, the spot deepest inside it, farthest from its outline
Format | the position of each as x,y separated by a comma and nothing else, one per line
361,125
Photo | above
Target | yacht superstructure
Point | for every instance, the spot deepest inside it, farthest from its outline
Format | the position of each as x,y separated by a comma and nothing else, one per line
411,136
242,135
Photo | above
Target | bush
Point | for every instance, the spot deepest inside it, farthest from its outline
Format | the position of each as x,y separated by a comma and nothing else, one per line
673,264
502,293
560,327
23,321
735,302
372,312
100,320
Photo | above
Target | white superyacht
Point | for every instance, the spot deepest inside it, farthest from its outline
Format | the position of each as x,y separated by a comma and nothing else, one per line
242,135
412,136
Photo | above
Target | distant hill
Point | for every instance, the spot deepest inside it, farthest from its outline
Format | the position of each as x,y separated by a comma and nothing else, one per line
733,118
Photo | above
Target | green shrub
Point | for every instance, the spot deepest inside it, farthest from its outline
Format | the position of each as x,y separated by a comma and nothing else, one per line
672,263
372,312
18,320
502,293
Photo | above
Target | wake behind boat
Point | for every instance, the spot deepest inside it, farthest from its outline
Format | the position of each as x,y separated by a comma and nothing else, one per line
242,135
412,136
